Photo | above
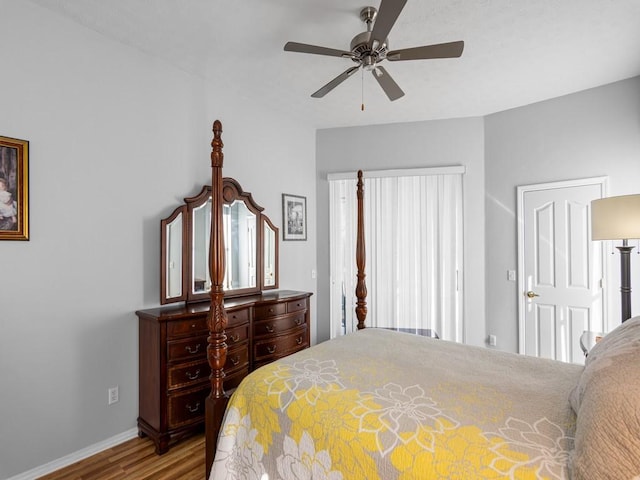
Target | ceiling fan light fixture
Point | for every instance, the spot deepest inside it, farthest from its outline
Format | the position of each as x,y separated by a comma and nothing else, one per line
369,62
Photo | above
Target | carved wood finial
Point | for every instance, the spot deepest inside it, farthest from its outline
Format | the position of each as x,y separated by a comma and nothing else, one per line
361,286
217,157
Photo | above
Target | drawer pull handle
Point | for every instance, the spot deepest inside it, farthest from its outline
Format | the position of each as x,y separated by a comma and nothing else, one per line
298,321
269,328
299,340
193,325
298,304
192,350
194,408
233,316
271,349
235,338
193,376
235,361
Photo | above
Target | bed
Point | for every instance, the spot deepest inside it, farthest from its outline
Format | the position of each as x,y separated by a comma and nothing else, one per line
391,405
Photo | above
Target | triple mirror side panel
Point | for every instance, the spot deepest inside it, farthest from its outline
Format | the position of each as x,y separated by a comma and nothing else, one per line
269,254
172,253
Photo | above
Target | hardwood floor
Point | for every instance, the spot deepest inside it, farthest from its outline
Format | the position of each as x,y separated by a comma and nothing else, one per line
136,460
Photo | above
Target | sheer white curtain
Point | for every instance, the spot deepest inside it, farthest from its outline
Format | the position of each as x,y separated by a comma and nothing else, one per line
413,228
342,245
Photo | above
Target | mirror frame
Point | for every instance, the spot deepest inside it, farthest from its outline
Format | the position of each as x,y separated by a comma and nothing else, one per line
231,191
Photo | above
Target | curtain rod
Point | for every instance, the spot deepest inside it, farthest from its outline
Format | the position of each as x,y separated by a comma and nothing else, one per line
399,172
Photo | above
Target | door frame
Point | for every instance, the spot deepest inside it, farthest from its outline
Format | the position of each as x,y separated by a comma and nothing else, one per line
603,182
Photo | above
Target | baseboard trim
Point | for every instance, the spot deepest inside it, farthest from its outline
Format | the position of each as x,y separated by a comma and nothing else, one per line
76,456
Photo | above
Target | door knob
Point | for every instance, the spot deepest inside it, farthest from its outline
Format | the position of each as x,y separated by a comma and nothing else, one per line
531,294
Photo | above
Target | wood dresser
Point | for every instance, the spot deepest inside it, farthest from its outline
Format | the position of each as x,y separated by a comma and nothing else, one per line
173,368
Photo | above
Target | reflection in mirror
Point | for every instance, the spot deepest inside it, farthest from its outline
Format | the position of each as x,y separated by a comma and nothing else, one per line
240,246
269,255
174,257
201,219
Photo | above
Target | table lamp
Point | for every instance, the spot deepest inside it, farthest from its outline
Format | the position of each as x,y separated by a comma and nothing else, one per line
618,218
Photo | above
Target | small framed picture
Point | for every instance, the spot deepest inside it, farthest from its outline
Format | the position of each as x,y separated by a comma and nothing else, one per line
14,189
294,217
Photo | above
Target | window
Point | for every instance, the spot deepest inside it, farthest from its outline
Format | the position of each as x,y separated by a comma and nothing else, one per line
413,232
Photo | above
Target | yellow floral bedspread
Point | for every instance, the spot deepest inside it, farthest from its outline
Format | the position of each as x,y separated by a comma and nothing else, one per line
378,404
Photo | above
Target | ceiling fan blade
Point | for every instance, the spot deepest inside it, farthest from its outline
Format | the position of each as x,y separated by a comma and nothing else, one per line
335,82
387,83
304,48
441,50
385,19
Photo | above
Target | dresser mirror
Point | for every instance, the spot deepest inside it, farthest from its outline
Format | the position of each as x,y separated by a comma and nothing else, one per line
251,247
269,254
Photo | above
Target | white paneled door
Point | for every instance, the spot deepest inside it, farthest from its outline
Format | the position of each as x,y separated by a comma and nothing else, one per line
560,268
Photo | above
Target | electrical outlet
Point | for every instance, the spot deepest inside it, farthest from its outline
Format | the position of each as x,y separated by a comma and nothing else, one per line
113,395
493,341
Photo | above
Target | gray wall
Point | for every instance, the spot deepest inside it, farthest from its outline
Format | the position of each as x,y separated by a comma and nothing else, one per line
409,145
587,134
117,140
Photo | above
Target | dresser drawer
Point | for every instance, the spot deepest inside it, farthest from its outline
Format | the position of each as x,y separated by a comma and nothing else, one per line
237,334
185,374
195,347
278,325
237,317
272,310
237,357
284,344
297,305
187,407
180,328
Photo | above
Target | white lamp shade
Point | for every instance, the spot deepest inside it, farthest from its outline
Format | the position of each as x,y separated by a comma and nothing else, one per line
616,218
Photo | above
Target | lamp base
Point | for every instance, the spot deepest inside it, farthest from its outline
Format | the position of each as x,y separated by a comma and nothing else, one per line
625,280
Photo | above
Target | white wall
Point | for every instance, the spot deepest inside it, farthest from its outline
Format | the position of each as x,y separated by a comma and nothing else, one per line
117,139
587,134
410,145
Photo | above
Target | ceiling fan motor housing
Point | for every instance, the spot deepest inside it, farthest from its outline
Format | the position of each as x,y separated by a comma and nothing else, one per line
364,54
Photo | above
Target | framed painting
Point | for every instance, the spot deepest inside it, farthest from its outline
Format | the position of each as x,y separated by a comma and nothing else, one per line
14,189
294,217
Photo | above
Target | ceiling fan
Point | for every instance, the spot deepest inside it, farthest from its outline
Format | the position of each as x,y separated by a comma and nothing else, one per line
370,48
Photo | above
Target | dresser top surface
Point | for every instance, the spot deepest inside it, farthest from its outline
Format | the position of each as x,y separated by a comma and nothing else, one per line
179,311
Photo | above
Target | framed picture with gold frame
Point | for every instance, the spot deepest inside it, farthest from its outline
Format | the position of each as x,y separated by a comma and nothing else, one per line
14,189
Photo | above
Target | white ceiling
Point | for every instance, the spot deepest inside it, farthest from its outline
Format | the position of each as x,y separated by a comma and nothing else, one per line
516,51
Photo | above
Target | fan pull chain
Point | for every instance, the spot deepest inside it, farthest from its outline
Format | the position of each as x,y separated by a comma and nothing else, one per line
362,90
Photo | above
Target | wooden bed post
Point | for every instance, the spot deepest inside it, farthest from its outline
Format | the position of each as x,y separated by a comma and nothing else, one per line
361,286
216,402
